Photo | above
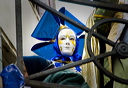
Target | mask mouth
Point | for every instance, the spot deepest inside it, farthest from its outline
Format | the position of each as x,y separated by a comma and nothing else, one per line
67,47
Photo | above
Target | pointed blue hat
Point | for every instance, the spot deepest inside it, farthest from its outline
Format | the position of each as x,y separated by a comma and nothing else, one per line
49,24
47,29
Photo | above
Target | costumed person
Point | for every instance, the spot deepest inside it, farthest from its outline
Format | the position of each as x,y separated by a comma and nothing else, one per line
63,49
48,32
66,46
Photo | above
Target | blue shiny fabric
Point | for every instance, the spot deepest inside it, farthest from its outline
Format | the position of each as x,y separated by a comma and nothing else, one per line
47,27
49,24
44,49
12,77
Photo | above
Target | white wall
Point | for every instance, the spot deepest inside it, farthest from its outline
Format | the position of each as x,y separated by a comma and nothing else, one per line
7,23
7,19
29,22
80,11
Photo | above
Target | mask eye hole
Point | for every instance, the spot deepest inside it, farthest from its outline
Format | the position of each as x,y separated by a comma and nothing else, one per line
72,39
62,38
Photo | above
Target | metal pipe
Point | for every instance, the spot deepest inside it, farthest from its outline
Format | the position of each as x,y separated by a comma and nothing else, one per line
18,13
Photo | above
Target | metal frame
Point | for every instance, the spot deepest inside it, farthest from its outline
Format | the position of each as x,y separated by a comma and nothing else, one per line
31,80
101,4
1,65
18,13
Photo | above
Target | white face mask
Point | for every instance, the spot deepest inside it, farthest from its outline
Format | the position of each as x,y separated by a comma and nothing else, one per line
67,42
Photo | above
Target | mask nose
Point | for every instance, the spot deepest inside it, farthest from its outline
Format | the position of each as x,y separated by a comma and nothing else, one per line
67,42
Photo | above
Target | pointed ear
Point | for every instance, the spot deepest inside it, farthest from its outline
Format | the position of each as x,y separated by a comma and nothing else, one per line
47,27
68,14
44,49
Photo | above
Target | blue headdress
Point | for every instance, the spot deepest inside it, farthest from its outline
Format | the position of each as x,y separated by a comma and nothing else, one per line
47,30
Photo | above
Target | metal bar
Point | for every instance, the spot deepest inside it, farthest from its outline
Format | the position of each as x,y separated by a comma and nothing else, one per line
99,4
50,71
53,11
1,63
109,74
39,84
18,14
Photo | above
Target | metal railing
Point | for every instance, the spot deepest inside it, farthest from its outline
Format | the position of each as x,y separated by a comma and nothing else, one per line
117,47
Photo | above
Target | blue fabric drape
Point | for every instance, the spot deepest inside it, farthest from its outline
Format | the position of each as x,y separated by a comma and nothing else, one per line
12,77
